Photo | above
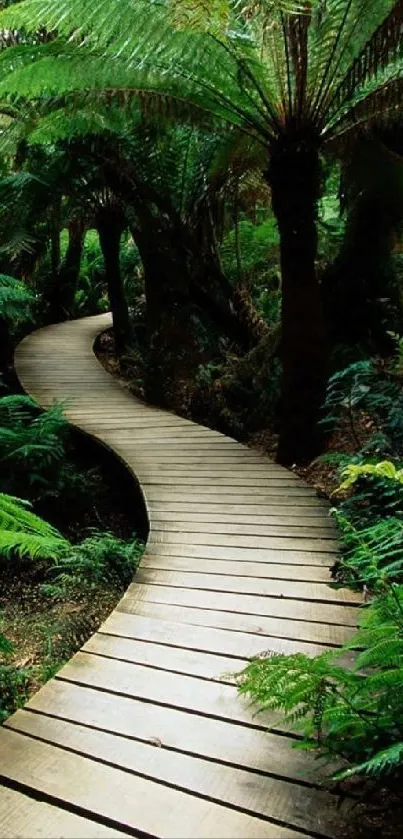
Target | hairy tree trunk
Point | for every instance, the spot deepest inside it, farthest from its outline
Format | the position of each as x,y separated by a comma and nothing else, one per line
70,269
110,226
294,177
60,295
173,355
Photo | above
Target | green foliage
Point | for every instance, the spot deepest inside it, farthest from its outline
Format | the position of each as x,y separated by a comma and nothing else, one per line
370,492
6,646
16,299
238,70
368,387
258,249
240,396
22,533
382,469
31,443
101,558
90,294
354,715
371,556
14,682
34,448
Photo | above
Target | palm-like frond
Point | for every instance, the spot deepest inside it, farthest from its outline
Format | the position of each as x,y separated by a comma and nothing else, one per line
25,534
255,63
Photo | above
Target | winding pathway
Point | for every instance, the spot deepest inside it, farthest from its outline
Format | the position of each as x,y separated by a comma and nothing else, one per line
142,733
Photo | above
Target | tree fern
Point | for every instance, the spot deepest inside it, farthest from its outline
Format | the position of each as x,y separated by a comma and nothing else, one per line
296,76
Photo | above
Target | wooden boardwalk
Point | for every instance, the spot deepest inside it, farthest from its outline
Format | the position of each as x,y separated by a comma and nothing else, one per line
142,733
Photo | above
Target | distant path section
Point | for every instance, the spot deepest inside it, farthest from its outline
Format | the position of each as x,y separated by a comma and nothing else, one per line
143,733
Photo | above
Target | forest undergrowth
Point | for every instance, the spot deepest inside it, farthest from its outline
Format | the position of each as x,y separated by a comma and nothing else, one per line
68,550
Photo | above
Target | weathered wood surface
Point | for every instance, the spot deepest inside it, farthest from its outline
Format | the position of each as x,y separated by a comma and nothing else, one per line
142,733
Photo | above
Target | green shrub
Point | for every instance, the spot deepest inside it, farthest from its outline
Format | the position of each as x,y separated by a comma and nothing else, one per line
32,443
371,556
353,715
14,682
34,448
101,558
371,491
16,300
368,387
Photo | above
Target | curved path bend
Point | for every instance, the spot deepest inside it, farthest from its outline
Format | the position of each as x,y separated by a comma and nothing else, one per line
142,733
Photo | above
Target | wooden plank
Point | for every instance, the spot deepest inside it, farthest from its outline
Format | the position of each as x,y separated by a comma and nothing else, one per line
120,420
315,592
178,525
281,543
212,698
320,558
187,457
191,444
219,641
138,455
22,817
237,568
262,795
243,498
215,516
175,729
212,489
289,486
193,434
198,663
225,475
274,607
286,514
122,796
249,470
261,625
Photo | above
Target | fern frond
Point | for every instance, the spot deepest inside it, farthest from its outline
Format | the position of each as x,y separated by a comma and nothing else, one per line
15,515
31,545
382,763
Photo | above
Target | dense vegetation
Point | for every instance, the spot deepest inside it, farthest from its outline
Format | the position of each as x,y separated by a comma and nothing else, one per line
228,179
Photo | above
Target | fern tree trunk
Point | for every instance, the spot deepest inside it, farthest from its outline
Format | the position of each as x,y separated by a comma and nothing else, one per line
69,271
173,354
294,178
64,283
110,226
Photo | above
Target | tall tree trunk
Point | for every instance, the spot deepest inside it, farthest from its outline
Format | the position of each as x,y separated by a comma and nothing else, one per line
173,354
55,225
60,295
294,177
69,271
110,225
